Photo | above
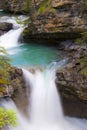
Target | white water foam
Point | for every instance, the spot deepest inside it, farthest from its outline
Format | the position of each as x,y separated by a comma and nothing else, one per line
11,38
46,111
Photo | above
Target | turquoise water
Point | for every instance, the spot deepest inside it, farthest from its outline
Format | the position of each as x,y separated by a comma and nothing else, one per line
34,55
29,54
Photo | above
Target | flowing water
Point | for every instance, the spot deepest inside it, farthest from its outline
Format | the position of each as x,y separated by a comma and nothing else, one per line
45,110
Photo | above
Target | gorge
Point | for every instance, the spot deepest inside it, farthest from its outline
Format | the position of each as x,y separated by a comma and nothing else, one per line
45,85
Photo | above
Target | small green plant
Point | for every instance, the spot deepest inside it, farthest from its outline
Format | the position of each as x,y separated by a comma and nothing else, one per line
4,64
7,118
24,22
46,6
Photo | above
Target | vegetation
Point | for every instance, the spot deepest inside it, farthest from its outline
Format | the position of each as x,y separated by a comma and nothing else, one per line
7,117
46,6
27,3
24,22
4,65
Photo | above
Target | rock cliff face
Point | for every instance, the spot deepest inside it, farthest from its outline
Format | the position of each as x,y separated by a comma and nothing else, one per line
72,82
56,19
63,18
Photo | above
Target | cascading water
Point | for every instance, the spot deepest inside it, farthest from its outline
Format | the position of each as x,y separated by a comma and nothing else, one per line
46,111
10,39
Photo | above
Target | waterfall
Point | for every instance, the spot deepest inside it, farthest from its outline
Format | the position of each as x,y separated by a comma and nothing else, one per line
46,111
45,104
10,39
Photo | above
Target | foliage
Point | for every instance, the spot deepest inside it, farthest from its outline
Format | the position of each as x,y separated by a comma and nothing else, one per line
46,6
4,64
7,117
24,22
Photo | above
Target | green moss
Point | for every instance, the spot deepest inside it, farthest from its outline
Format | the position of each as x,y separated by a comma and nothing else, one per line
84,71
24,22
26,5
46,6
83,65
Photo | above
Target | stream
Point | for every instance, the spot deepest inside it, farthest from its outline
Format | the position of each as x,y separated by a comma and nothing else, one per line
45,111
